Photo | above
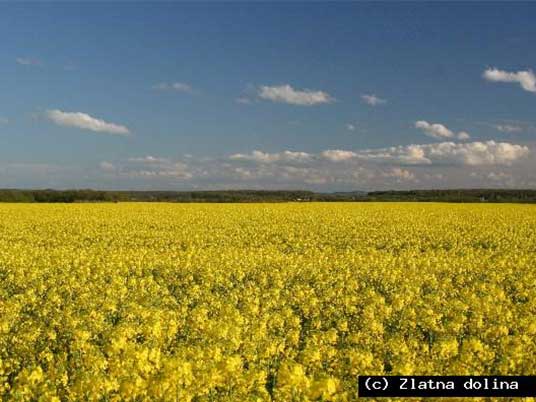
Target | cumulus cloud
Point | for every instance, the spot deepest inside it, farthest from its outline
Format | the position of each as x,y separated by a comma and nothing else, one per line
463,135
450,153
391,167
337,155
287,94
173,86
436,130
405,155
372,100
444,164
444,153
85,121
526,79
263,157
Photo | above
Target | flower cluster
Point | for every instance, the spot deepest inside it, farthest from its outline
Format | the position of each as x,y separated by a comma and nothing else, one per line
259,302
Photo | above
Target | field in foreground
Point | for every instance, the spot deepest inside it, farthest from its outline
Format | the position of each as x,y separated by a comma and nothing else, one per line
260,301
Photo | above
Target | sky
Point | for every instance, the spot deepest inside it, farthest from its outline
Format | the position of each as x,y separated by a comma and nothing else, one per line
317,96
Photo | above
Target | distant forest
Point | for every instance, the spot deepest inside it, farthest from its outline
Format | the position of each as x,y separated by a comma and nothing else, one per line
70,196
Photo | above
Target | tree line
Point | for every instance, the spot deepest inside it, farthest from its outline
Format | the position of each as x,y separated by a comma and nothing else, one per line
88,195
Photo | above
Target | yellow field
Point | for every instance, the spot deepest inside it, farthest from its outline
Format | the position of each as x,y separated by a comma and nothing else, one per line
257,302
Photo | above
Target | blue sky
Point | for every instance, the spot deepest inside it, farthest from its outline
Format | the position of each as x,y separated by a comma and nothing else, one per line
322,96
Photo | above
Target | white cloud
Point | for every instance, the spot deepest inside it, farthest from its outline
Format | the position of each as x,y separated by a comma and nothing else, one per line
443,153
463,135
174,86
287,94
508,128
262,157
373,100
444,164
85,121
337,155
526,79
450,153
350,127
256,156
434,130
410,155
149,167
439,131
400,174
148,160
406,155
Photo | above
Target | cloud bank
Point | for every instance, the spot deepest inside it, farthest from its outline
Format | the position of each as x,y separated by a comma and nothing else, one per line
444,153
445,164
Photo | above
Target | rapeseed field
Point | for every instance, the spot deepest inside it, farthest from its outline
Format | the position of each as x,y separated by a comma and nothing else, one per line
259,302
